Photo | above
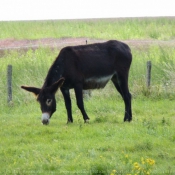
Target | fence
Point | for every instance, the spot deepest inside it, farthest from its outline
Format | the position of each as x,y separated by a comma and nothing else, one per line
148,77
9,84
86,93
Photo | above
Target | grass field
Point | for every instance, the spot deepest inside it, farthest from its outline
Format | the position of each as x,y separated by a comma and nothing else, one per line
129,28
106,145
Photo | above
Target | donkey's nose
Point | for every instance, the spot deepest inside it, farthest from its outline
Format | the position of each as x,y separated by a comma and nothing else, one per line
45,118
45,122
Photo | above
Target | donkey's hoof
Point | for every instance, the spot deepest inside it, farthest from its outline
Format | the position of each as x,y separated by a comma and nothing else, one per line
69,121
127,120
86,121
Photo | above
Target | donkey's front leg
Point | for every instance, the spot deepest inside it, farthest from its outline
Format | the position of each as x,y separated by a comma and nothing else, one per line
68,104
79,97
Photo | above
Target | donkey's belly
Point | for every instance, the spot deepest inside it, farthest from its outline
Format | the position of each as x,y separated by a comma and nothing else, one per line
96,82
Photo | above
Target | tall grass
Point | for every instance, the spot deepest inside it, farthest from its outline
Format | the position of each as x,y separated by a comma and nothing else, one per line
162,72
122,29
30,68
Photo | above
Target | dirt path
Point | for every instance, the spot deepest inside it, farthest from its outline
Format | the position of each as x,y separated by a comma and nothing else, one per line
12,44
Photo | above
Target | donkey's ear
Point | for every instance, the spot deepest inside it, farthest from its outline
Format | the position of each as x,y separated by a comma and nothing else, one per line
34,90
54,87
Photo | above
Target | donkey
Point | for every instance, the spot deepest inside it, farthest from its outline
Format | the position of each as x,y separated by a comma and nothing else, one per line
85,67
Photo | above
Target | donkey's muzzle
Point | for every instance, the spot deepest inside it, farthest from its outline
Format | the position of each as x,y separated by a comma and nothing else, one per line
45,118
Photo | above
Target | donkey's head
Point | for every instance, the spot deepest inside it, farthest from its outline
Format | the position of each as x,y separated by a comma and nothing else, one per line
46,98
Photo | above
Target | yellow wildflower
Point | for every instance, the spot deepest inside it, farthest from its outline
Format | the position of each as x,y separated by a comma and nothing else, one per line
150,161
147,173
126,156
113,172
135,164
142,160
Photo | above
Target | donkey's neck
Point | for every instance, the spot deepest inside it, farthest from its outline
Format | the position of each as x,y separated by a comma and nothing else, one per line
54,74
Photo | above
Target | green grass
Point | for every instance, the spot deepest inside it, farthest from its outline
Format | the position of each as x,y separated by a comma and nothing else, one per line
100,146
121,29
106,145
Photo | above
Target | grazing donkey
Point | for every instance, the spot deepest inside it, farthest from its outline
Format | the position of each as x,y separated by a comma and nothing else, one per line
85,67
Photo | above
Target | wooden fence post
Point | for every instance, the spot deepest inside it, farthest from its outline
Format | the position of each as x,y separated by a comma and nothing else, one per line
9,84
148,78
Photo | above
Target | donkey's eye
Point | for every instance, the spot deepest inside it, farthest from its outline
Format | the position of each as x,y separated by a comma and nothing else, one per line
48,102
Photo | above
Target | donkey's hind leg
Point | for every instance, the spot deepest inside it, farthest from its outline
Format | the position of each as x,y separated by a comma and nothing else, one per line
121,84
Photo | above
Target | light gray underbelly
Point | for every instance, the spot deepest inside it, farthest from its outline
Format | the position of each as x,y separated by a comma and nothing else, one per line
96,82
